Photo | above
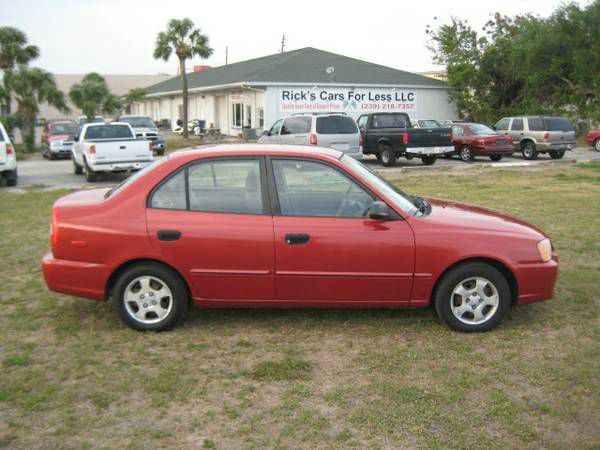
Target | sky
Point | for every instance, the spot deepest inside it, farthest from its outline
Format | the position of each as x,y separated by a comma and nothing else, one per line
118,36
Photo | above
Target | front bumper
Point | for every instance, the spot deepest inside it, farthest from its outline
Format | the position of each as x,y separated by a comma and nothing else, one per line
536,281
76,278
441,150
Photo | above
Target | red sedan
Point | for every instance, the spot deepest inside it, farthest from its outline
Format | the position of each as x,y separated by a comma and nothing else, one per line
593,139
289,226
474,139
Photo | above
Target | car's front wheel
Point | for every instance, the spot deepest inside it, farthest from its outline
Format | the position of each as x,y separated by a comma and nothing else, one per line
150,296
495,157
597,145
557,154
472,297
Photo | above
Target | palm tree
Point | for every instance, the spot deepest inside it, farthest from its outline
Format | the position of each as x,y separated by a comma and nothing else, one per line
133,96
92,96
186,42
32,86
13,50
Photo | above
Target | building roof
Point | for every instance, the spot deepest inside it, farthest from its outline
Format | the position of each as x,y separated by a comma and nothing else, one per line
306,65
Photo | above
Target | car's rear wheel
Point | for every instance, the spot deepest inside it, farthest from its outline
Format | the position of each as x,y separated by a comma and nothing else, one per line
495,157
428,160
387,156
77,169
557,154
529,151
466,154
597,145
90,175
472,297
150,296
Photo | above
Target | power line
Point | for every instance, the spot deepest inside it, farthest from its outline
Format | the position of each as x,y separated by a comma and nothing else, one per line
282,43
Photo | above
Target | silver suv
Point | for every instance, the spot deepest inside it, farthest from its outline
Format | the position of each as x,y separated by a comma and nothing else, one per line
539,134
333,130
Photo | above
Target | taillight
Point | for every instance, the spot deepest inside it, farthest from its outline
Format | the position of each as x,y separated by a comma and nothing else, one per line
546,136
405,138
481,141
92,149
54,230
9,149
312,139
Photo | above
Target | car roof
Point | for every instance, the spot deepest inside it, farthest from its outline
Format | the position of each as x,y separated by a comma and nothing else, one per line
256,149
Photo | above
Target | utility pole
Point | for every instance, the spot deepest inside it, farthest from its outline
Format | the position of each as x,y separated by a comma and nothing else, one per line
226,54
282,43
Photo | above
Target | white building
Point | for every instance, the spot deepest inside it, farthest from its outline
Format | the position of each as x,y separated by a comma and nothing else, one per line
257,92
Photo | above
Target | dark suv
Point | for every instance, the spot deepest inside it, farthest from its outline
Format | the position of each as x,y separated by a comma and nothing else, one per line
539,134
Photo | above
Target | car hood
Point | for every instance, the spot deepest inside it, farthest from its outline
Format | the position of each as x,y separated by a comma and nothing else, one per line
479,219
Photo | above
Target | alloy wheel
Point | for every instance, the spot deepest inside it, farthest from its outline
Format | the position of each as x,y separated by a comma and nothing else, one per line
148,299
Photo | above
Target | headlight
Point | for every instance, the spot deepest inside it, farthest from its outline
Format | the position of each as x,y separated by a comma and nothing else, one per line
55,144
545,249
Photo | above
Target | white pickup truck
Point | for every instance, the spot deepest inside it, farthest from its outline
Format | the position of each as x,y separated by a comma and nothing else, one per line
8,159
108,147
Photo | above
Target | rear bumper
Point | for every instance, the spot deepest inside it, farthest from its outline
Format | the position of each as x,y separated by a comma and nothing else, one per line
76,278
8,165
119,166
536,281
547,146
440,150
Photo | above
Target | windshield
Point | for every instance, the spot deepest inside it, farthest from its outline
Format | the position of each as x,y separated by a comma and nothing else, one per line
63,128
138,122
396,196
149,168
477,128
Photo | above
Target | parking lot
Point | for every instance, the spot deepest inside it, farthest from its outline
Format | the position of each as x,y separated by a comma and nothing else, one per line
39,172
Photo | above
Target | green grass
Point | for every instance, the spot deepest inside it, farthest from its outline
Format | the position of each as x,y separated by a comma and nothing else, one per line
72,376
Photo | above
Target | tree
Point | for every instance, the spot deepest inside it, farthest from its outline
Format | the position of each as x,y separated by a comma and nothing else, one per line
13,50
186,42
93,97
523,64
32,86
133,96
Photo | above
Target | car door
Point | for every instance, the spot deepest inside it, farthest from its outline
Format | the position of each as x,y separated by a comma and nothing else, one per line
458,137
295,130
326,250
211,220
516,130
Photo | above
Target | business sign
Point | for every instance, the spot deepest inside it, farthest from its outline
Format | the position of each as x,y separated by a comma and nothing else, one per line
350,101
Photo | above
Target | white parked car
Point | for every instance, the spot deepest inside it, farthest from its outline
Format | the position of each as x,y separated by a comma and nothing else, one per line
8,158
334,130
109,147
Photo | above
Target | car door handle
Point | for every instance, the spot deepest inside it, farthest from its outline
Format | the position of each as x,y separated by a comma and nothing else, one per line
123,147
295,239
168,235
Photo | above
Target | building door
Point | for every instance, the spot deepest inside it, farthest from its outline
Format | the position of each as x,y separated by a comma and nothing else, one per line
221,114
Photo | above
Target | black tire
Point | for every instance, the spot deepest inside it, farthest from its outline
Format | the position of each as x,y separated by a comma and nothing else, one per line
51,156
557,154
11,180
529,151
90,175
466,154
448,155
428,160
77,169
495,157
597,145
160,152
443,298
179,296
388,157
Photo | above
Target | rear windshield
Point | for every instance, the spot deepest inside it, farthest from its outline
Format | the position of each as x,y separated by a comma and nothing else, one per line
477,128
138,122
429,123
336,125
558,124
108,132
390,121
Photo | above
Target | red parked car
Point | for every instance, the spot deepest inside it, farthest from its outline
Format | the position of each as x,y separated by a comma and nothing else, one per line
593,139
475,139
57,138
289,226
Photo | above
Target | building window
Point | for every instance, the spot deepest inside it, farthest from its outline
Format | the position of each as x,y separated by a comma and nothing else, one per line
248,115
261,117
237,115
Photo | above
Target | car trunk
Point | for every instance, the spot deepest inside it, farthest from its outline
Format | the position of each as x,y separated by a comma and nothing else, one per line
429,137
121,151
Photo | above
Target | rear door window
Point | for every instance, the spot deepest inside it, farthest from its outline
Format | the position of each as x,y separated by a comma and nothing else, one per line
296,125
558,124
336,125
536,124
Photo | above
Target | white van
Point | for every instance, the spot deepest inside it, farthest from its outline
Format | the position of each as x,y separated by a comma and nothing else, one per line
8,158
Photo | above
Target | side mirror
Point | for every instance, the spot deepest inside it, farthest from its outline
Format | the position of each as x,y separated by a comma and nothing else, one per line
494,127
266,133
379,211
